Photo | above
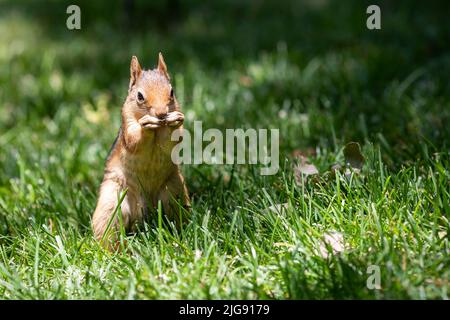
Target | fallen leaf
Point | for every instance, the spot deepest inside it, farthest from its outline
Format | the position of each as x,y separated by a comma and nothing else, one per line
304,169
353,155
308,152
333,242
442,234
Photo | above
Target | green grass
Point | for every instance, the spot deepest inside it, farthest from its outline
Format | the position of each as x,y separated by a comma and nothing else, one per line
312,70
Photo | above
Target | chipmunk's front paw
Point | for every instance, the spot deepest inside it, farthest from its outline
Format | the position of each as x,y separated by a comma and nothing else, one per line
175,119
149,122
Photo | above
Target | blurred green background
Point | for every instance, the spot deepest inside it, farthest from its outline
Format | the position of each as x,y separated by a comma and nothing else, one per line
310,68
312,57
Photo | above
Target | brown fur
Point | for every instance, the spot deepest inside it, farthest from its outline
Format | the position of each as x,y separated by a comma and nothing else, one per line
140,160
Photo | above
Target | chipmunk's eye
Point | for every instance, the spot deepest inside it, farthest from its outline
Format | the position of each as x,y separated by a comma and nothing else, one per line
171,93
140,97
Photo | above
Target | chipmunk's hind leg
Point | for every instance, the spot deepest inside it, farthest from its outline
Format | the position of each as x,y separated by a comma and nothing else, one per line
105,221
175,198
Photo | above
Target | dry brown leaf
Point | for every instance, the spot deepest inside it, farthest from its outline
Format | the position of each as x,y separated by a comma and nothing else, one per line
308,152
353,155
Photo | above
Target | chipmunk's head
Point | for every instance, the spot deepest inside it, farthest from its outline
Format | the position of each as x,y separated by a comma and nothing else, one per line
150,91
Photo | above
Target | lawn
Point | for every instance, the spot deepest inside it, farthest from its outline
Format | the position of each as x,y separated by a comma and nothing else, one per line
308,68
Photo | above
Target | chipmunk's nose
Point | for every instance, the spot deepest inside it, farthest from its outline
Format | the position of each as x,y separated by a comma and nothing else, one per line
161,113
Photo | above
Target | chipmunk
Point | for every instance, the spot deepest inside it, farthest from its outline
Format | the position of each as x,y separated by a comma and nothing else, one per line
140,158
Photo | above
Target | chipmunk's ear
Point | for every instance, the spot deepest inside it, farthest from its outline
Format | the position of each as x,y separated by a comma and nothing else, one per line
135,71
162,66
